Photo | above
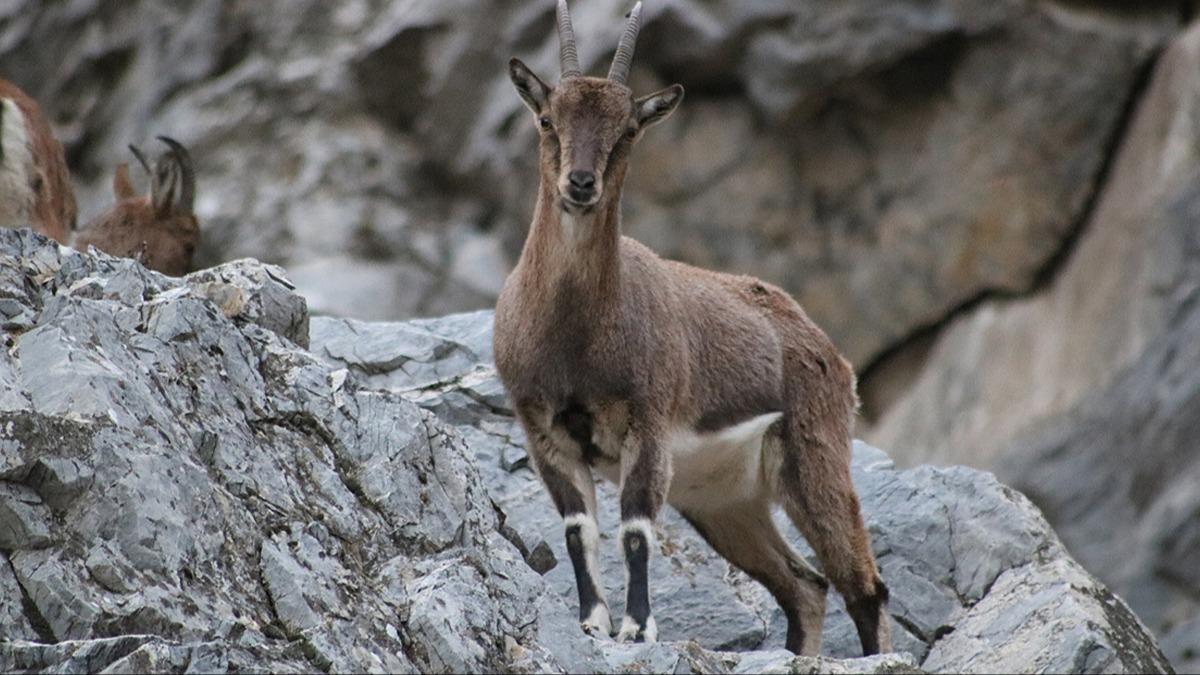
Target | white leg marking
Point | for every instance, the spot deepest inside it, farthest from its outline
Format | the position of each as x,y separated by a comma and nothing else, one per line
629,626
642,525
651,632
589,535
629,630
598,624
635,525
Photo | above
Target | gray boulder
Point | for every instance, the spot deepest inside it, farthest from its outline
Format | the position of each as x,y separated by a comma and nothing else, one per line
1121,474
184,488
979,581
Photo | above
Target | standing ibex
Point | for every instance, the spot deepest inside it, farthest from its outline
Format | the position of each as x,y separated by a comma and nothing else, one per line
35,186
159,230
712,392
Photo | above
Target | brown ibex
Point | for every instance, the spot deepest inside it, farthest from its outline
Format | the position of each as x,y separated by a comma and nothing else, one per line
35,186
712,392
159,230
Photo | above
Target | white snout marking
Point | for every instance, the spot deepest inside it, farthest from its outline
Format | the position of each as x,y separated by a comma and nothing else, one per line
712,470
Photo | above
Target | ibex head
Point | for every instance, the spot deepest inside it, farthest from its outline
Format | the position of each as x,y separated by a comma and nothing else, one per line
589,124
172,179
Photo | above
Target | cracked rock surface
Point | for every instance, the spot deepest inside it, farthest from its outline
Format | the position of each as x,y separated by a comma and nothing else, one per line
185,487
979,581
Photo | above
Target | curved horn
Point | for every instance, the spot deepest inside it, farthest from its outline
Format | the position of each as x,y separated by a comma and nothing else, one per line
141,159
567,56
619,72
187,191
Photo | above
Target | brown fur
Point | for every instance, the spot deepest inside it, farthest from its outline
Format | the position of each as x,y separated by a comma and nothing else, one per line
122,184
51,193
606,349
161,236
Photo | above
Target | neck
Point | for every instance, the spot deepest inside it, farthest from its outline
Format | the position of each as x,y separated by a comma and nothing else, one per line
575,250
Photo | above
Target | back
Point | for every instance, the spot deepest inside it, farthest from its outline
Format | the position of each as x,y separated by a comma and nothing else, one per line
735,346
130,229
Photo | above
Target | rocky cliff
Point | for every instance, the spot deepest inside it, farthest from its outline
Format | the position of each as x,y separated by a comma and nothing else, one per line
185,487
899,158
1085,394
990,204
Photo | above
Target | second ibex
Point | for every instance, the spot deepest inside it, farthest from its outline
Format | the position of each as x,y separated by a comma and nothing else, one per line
711,392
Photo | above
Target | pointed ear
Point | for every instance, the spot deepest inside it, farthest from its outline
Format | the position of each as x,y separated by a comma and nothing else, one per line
654,108
533,91
122,184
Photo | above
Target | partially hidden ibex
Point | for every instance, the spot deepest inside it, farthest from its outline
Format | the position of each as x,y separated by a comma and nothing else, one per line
35,186
712,392
160,230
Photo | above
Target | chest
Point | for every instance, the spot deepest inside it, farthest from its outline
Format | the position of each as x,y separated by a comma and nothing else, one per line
559,359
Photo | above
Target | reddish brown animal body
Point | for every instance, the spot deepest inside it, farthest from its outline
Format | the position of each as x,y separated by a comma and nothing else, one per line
159,229
35,185
712,392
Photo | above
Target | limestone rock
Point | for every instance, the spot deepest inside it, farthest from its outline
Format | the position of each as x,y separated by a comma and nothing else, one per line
1008,364
971,564
1084,395
184,488
1121,470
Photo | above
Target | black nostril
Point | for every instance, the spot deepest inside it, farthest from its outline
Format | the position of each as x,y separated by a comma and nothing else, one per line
584,180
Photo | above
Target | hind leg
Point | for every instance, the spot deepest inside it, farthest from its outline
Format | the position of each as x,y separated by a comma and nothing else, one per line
746,536
817,494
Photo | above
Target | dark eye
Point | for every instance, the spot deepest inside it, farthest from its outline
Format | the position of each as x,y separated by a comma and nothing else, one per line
631,134
544,123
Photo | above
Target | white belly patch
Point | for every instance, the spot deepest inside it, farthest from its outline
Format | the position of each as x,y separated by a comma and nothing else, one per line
714,469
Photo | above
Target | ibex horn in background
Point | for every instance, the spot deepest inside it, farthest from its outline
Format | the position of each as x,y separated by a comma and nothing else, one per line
35,185
712,392
159,230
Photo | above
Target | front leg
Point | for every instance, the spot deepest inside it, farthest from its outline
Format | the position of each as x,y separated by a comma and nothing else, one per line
645,477
573,491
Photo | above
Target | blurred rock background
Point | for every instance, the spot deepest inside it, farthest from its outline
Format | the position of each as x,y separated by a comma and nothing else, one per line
993,206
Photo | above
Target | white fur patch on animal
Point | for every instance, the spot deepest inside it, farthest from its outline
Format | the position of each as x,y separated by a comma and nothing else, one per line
16,169
598,623
641,525
711,470
575,228
629,630
651,632
589,536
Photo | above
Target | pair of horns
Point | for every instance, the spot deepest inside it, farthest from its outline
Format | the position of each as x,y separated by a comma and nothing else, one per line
176,148
569,57
183,160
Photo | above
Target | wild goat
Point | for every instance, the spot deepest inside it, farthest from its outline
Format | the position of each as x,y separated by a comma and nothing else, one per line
35,186
159,230
712,392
